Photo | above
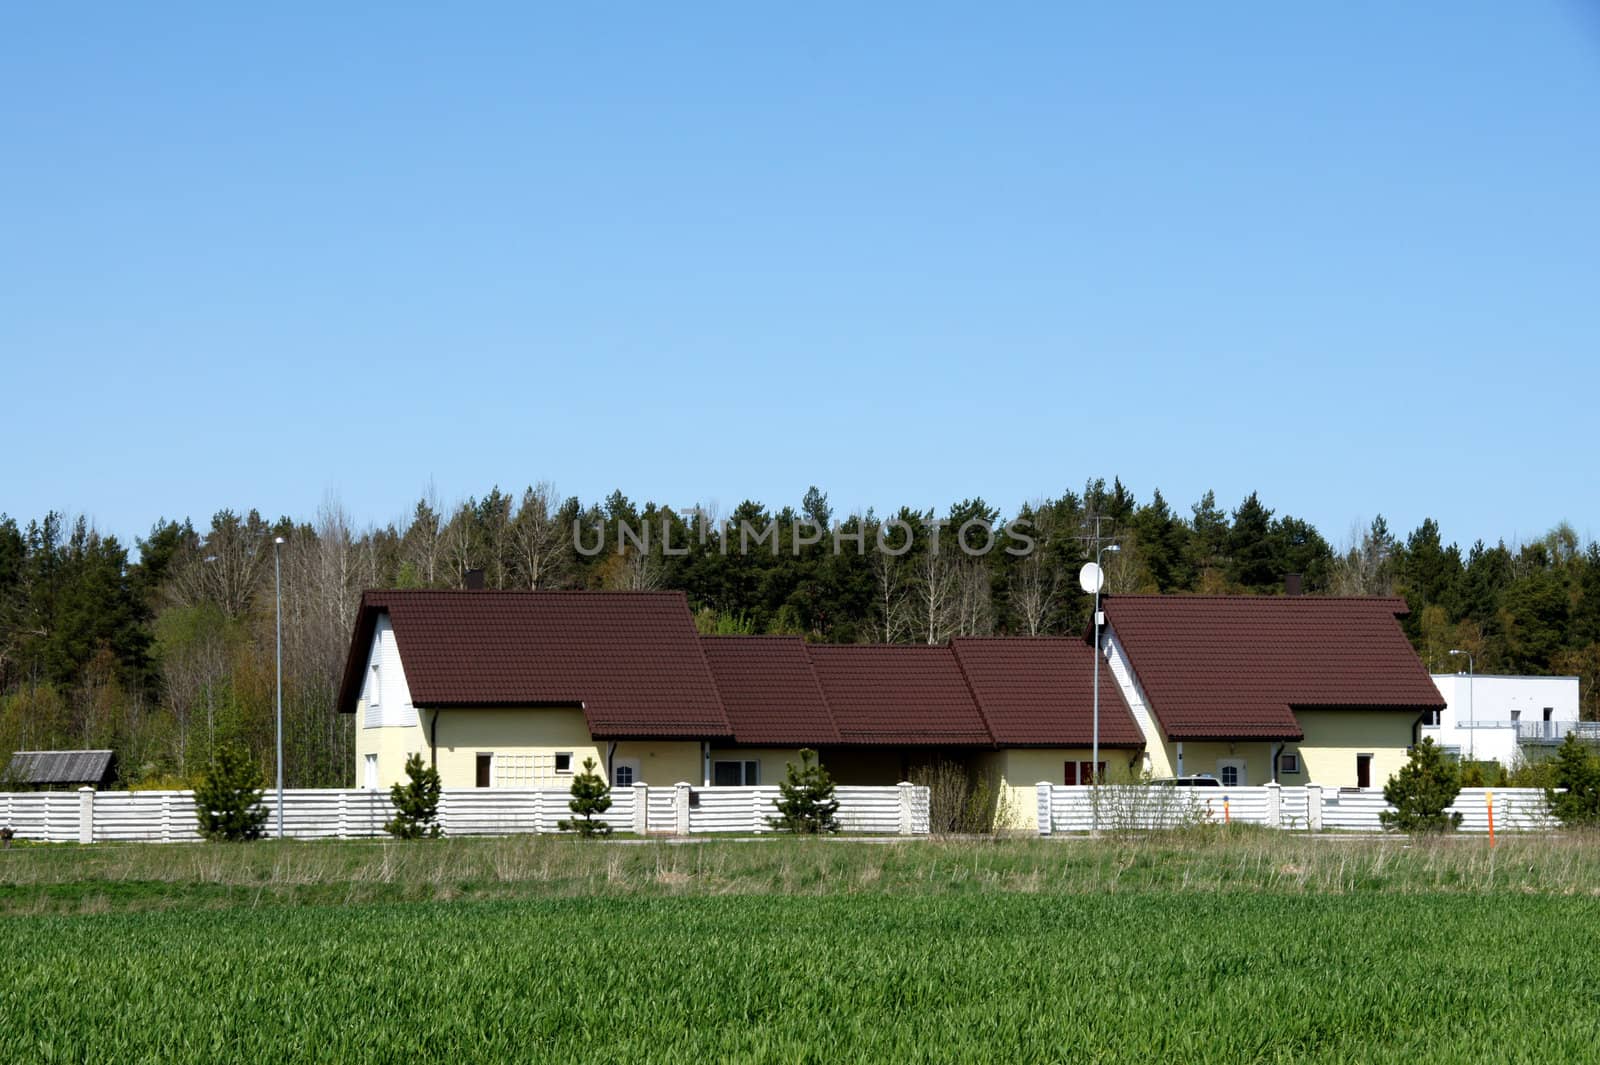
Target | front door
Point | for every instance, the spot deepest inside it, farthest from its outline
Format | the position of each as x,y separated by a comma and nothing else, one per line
1231,771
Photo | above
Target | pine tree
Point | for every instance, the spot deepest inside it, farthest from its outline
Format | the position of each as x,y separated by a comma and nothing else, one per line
416,803
806,804
227,797
1577,770
1422,792
591,795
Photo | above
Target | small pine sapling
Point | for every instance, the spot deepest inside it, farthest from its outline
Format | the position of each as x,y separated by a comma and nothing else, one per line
416,803
1422,791
806,805
591,795
227,797
1575,798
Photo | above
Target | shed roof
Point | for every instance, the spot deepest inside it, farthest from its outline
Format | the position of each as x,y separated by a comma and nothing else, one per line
1227,667
61,767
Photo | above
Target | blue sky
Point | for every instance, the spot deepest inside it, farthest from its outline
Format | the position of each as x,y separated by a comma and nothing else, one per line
1344,255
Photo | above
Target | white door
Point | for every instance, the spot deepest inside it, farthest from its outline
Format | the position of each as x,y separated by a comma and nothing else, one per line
1231,772
624,772
371,780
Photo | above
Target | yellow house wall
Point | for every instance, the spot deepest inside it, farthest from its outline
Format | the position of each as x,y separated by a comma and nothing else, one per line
774,760
1202,757
1333,738
537,732
1021,769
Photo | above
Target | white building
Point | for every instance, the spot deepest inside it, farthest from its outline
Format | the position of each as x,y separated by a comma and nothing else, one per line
1492,718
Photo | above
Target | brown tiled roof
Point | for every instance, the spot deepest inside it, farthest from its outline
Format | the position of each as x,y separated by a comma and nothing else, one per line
1041,692
769,690
898,695
1225,667
631,659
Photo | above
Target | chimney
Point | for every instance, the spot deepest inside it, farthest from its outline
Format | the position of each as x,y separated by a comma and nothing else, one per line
1292,584
475,580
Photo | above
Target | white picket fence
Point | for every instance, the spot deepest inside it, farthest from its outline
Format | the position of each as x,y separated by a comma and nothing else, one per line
1073,809
87,816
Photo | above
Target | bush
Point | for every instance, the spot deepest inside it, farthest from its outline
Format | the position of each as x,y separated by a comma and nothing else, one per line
806,804
591,795
416,803
227,797
1577,770
1422,791
963,803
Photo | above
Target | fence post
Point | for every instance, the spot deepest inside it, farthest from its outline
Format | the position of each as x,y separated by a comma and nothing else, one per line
1314,807
166,816
680,807
641,809
907,790
759,819
1041,792
86,814
1274,805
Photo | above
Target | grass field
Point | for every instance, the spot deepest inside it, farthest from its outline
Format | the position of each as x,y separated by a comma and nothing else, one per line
1249,947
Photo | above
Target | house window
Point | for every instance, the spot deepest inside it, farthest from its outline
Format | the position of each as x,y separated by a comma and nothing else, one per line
622,776
374,687
1288,763
485,770
1363,770
370,781
1549,713
736,774
563,761
1081,773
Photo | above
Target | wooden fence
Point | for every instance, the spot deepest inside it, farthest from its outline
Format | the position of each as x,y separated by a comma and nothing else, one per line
87,816
1312,807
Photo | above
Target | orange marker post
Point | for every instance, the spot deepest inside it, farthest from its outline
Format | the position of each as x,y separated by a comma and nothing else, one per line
1488,799
1227,815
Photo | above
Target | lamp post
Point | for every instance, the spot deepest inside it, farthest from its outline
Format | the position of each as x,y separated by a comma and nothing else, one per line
1472,724
277,580
1094,755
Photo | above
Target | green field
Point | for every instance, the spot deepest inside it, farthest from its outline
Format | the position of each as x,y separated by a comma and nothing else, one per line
1207,949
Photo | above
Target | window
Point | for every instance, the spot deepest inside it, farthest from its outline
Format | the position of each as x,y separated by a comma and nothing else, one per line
563,761
1231,771
1288,763
1549,712
374,687
622,776
1363,770
485,770
736,774
1516,715
370,781
1081,773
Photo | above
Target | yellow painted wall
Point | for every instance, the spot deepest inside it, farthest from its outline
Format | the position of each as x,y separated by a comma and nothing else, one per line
1022,768
1203,757
774,760
524,741
1333,738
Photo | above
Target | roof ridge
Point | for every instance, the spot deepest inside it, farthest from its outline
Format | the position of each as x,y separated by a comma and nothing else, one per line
972,693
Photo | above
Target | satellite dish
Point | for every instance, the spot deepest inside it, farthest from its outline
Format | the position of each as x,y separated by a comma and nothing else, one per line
1090,578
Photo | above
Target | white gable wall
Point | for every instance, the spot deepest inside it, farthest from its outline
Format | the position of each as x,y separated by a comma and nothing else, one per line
389,706
1155,745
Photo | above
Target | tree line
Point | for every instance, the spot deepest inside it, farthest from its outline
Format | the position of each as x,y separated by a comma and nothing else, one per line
167,654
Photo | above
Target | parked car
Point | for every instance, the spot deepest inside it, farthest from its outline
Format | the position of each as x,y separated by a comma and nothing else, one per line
1197,780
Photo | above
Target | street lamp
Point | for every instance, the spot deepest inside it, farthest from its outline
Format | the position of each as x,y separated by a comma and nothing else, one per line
1472,724
1094,756
277,580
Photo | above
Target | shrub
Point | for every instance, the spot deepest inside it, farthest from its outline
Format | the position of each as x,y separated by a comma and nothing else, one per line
227,797
805,799
416,803
1422,791
1578,771
591,795
960,802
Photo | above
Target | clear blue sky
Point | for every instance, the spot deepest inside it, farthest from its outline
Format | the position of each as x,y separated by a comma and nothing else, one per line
1348,256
